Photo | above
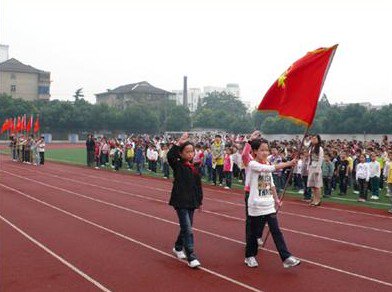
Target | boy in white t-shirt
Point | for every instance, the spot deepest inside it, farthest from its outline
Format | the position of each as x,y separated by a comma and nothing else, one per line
261,205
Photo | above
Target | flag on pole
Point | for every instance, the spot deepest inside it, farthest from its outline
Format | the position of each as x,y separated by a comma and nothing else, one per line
29,124
18,125
294,95
36,125
5,126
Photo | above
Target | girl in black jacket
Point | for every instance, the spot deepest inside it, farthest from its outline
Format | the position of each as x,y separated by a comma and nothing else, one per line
186,196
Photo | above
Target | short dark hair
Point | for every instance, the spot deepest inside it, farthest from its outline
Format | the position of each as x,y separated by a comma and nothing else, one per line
255,144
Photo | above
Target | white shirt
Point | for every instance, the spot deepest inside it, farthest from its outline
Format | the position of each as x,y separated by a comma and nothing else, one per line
362,171
261,200
374,169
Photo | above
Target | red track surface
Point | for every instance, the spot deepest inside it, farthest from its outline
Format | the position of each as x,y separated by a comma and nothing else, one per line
116,231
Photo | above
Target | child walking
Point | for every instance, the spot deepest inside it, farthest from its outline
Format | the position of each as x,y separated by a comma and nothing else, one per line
261,205
186,196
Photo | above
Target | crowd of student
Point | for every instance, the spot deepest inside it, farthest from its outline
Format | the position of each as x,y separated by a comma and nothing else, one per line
363,167
27,149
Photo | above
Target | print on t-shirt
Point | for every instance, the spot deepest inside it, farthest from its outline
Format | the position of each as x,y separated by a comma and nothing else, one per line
264,185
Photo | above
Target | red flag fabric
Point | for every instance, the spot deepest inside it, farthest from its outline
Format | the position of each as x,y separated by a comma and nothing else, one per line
296,92
36,125
29,124
18,125
5,126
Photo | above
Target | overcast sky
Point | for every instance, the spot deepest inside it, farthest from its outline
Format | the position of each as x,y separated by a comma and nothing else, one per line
97,44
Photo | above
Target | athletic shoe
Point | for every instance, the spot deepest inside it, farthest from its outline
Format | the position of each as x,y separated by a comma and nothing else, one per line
361,200
227,188
260,241
390,211
291,262
220,185
356,192
388,195
179,254
374,198
251,262
194,264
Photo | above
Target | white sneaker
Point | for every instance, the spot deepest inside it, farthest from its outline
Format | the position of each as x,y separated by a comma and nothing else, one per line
374,198
251,262
227,188
356,192
260,241
179,254
194,264
291,262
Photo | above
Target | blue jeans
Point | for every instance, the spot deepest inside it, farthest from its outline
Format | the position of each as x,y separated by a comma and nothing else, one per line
185,237
166,169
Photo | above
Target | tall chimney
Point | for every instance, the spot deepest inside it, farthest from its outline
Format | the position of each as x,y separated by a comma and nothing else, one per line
185,92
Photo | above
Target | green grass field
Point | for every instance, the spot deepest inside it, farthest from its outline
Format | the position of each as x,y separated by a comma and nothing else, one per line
77,156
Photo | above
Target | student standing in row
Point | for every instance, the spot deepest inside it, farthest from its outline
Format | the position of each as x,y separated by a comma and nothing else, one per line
362,178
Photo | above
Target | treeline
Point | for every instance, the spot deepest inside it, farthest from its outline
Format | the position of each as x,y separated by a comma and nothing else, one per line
217,110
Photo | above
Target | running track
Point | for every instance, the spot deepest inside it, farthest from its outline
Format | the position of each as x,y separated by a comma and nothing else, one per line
67,228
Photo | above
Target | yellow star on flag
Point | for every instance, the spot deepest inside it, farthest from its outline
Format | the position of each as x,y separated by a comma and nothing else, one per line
282,79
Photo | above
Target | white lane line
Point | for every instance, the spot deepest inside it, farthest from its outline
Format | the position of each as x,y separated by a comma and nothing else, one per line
233,194
201,231
130,194
307,234
53,254
127,237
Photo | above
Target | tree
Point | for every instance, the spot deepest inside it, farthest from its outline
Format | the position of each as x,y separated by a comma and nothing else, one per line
221,110
78,94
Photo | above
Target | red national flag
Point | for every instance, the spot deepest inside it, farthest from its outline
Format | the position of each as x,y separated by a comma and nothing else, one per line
18,125
36,125
296,92
29,124
5,126
11,124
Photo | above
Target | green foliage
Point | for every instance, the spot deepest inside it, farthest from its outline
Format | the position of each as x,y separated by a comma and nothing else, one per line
217,110
332,119
220,110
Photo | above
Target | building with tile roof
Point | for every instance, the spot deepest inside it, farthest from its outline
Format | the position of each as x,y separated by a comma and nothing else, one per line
135,93
24,81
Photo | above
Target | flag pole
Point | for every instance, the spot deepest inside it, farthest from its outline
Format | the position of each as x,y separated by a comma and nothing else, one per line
287,182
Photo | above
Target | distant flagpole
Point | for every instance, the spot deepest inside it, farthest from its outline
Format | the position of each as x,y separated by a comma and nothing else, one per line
308,125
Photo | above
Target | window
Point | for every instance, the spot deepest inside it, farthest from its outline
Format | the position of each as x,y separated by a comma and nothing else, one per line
43,89
13,88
